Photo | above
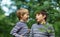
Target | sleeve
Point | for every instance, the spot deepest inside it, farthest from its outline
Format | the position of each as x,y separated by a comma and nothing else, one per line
52,33
15,29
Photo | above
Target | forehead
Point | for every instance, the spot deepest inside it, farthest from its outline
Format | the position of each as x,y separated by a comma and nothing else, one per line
27,13
38,14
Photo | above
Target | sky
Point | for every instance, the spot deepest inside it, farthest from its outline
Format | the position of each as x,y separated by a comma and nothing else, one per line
7,6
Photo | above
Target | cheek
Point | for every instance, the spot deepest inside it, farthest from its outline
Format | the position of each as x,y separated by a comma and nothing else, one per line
40,17
25,16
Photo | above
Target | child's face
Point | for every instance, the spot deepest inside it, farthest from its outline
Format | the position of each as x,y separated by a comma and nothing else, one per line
25,16
39,17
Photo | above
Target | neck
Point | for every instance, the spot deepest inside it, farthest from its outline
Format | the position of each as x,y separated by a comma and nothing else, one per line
22,20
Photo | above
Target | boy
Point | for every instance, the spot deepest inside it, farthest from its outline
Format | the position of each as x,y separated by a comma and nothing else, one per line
42,28
21,29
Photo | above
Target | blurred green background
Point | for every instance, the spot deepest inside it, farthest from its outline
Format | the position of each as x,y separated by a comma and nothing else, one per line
8,16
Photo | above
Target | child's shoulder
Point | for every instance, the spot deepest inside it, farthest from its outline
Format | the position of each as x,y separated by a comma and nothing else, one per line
49,25
19,23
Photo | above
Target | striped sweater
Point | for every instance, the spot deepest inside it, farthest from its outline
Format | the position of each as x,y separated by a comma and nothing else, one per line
39,30
19,29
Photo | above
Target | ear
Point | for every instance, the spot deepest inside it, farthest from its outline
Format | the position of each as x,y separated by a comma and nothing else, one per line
21,16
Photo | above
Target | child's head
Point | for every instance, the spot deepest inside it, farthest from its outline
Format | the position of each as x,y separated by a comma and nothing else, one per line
23,14
41,15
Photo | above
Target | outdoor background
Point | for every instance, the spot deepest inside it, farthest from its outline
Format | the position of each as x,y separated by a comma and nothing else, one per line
8,16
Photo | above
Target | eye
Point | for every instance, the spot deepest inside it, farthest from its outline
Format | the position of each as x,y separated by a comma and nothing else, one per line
38,15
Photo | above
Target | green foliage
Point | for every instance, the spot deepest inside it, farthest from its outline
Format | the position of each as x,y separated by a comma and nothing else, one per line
7,22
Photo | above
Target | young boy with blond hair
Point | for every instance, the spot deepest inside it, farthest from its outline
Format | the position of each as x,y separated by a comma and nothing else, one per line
21,29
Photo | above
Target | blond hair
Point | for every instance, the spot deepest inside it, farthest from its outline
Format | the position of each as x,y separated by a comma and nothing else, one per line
21,11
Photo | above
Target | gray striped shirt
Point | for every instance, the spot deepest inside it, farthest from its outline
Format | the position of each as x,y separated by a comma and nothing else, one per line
19,29
39,30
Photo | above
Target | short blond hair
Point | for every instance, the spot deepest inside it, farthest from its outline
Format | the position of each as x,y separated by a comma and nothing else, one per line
21,11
